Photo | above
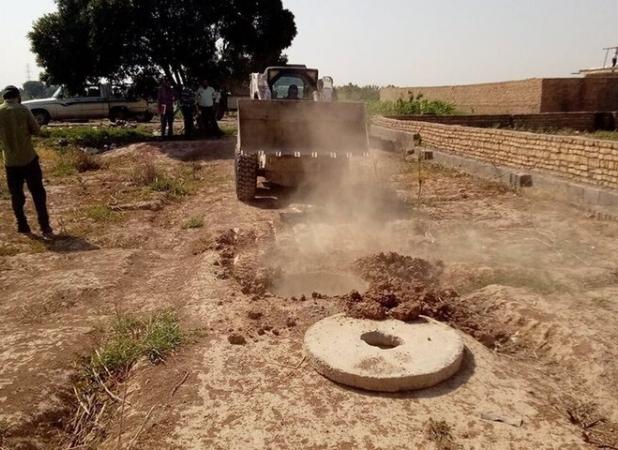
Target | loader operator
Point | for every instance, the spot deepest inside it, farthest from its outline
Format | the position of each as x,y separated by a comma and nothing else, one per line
292,92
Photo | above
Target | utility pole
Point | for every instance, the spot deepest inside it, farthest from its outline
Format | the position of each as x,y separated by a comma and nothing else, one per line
28,73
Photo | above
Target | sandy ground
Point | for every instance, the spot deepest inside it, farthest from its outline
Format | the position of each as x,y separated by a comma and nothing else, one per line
543,272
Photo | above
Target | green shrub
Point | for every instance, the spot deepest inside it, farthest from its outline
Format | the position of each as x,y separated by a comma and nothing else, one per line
71,161
64,166
353,93
130,338
194,222
95,136
172,186
100,213
412,106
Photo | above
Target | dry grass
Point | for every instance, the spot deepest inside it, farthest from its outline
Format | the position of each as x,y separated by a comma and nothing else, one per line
144,172
101,213
602,302
595,428
439,432
4,190
85,162
8,250
4,429
97,389
172,187
67,162
193,222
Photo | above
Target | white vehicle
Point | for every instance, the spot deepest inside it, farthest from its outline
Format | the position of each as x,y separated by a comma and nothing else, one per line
94,102
291,131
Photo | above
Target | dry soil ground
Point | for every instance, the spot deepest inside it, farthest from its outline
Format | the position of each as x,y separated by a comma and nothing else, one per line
544,275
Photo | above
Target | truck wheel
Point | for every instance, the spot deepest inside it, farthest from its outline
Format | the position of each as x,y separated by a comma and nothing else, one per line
41,116
118,114
246,167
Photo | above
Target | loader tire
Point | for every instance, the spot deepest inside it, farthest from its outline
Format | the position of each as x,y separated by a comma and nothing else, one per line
246,176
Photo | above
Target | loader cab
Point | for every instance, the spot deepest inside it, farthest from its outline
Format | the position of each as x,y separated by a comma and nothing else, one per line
291,82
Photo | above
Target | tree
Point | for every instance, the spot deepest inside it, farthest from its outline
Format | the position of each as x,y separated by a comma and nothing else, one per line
353,92
34,89
86,40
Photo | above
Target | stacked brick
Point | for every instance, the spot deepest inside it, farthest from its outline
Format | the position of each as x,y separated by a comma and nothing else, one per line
580,159
581,121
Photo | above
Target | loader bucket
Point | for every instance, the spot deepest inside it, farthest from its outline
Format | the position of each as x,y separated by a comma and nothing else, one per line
302,127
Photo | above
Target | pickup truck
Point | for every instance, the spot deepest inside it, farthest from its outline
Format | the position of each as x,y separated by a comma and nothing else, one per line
94,102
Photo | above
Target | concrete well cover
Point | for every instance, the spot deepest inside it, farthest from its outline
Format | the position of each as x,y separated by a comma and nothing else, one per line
387,356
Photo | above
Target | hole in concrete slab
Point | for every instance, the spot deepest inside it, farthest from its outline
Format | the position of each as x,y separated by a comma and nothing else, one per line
381,340
325,283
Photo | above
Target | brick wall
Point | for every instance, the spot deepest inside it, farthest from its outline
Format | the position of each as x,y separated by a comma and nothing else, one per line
522,97
582,121
580,159
579,94
511,97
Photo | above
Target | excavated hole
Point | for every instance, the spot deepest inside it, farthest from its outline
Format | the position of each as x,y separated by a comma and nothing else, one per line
324,283
381,340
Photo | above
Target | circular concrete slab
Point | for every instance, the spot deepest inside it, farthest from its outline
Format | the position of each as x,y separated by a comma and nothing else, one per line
387,356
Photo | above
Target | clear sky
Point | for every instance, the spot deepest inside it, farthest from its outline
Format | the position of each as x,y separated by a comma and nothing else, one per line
408,42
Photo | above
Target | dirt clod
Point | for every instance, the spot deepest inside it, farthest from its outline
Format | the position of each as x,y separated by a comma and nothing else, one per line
236,339
254,315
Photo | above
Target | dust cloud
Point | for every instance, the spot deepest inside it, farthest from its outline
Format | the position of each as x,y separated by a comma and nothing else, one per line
371,206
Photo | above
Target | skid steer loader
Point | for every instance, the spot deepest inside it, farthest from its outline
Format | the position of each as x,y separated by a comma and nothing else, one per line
291,132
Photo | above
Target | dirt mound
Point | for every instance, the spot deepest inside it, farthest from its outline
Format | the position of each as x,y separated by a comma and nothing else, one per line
401,300
384,266
403,288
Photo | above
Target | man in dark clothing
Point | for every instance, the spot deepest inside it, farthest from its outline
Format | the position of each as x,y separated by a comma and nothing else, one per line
166,107
187,105
17,125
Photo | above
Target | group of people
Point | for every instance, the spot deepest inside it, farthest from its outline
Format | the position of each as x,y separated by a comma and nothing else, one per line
18,125
204,102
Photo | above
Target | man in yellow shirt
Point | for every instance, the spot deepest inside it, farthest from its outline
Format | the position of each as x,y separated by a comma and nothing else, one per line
17,125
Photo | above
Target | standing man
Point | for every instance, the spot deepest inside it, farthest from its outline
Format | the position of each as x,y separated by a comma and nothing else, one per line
166,107
187,105
17,125
206,102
